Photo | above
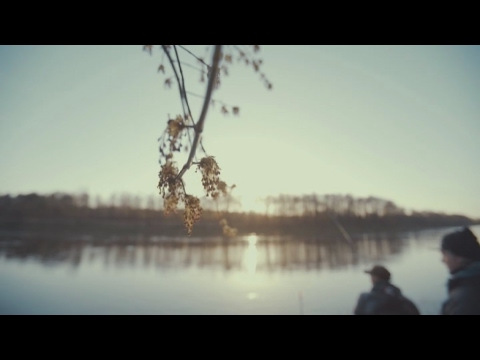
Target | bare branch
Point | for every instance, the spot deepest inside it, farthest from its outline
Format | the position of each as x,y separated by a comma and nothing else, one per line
165,49
199,127
203,149
183,85
183,93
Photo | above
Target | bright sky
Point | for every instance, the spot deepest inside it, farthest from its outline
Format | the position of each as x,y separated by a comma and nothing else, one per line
397,122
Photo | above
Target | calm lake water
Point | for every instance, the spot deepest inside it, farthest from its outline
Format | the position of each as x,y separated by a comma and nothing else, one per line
249,275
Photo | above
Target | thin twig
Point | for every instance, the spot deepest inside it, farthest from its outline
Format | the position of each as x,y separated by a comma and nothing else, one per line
203,149
217,101
183,185
184,93
241,50
176,75
192,67
195,56
161,140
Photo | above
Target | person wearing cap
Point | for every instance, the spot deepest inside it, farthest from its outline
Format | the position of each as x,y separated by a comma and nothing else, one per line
461,255
384,297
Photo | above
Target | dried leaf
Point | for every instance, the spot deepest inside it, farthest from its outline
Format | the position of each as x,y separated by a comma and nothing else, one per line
228,58
256,48
161,68
236,110
224,110
168,82
148,48
225,70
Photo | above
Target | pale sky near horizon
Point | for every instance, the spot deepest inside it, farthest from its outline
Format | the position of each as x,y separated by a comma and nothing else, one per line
397,122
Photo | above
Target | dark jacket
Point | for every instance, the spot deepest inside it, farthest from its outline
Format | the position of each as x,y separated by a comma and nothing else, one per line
463,291
385,299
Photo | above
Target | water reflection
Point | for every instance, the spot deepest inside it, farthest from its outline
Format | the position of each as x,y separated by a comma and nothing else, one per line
251,253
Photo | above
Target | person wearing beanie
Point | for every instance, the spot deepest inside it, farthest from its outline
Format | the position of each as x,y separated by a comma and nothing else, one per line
384,297
461,255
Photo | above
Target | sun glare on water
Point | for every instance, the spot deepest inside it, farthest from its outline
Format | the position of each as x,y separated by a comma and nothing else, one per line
251,254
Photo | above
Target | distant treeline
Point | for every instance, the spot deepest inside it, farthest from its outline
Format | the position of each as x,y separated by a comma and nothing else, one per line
284,214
